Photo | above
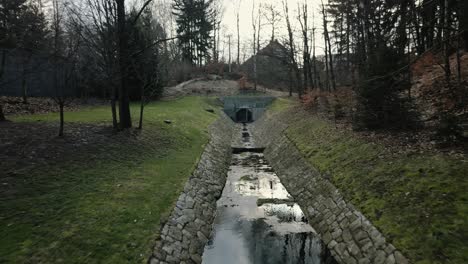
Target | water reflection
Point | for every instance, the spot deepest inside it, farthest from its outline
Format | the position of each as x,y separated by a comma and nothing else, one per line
257,220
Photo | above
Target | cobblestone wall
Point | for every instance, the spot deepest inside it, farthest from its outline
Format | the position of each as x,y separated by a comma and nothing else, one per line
184,236
349,235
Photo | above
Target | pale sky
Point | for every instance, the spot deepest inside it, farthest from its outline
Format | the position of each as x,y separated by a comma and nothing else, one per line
230,21
162,10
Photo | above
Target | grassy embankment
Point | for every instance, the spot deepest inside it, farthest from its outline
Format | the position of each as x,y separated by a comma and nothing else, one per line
419,200
104,205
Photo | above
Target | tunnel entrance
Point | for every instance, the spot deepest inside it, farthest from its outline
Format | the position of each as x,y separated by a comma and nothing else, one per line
244,115
245,109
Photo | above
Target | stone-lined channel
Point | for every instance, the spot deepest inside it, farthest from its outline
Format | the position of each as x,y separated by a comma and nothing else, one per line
257,220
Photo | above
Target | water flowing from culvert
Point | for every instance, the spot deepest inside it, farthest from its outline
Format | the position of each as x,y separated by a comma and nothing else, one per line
257,221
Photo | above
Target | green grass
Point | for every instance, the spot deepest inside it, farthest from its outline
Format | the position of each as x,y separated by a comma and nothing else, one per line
281,104
419,201
105,205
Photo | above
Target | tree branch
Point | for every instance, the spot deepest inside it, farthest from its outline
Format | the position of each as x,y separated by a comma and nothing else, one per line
141,11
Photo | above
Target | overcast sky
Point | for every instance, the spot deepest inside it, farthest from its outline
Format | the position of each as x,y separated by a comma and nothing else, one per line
229,22
162,9
246,6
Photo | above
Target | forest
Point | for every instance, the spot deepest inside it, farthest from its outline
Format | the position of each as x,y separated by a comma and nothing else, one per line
123,122
121,55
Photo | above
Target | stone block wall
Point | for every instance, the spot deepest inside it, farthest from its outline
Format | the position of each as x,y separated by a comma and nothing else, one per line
185,234
348,234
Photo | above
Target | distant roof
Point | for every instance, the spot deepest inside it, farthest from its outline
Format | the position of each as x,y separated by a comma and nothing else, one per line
274,49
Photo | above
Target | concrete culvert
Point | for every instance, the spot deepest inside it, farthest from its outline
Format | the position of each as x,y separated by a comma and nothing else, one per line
244,115
245,109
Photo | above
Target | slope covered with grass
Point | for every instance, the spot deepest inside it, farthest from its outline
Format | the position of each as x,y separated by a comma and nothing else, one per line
103,204
418,200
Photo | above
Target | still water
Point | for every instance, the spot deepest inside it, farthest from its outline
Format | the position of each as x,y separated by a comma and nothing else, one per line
257,220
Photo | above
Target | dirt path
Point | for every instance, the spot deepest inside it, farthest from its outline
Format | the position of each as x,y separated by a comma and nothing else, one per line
213,86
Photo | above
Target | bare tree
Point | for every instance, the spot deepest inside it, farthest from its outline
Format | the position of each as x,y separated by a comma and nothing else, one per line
64,59
217,15
259,26
292,50
303,21
2,71
316,76
149,79
100,35
328,48
273,17
446,33
254,48
57,29
25,61
229,44
123,55
238,33
124,61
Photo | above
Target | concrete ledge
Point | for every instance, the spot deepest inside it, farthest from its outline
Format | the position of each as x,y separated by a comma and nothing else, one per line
348,234
185,234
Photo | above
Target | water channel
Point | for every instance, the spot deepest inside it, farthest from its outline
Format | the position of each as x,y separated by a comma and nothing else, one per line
257,220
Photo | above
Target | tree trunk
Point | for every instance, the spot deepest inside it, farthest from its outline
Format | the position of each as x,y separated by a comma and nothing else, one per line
314,62
254,47
328,48
230,64
61,103
459,78
142,108
292,55
115,123
417,28
459,39
2,115
255,71
465,39
2,69
446,41
440,33
214,42
217,42
428,21
327,74
348,52
124,100
23,85
300,89
332,71
259,28
306,56
255,61
464,21
238,40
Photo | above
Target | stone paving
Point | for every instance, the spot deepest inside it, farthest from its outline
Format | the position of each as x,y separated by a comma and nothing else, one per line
349,235
185,234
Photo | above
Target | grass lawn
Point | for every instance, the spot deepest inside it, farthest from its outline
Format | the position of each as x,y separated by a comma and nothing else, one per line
418,200
282,104
104,205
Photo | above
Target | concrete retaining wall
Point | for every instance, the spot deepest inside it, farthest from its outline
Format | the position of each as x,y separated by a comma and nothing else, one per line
256,105
184,236
349,235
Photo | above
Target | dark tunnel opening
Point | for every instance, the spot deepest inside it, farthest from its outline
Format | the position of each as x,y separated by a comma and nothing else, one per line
244,115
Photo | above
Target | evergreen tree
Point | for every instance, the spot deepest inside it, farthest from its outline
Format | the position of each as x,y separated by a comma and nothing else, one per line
22,25
194,25
377,31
